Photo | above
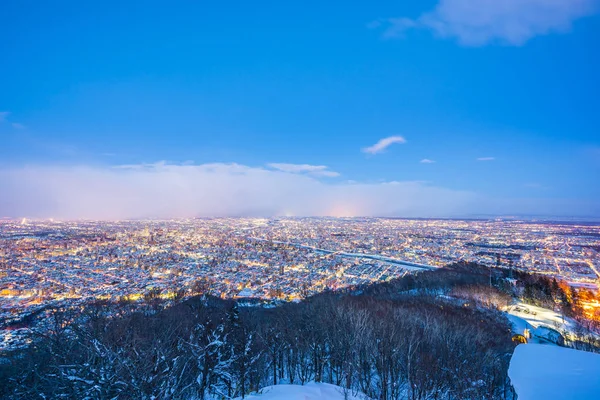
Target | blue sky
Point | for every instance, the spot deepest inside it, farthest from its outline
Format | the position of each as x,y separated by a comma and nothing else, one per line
182,96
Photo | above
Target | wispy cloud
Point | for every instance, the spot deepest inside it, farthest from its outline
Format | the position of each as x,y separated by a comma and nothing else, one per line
486,158
426,161
511,22
383,144
315,170
164,190
4,118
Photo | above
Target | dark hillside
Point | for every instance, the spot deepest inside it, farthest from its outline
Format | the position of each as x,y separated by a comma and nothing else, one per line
390,341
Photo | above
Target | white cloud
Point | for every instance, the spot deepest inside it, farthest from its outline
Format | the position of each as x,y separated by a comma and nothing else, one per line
426,161
486,158
512,22
163,190
17,125
316,170
383,144
3,115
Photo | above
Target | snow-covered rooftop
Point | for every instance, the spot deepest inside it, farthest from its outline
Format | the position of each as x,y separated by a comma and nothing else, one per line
246,293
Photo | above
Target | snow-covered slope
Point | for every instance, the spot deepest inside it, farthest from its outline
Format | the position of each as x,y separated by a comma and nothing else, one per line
310,391
546,372
539,321
538,316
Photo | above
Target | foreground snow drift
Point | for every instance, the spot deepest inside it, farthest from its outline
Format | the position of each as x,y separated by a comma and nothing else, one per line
550,372
310,391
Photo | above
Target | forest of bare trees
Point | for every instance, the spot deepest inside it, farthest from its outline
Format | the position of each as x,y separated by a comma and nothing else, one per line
400,341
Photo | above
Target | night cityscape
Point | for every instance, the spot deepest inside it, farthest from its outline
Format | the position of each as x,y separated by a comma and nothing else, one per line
45,263
275,200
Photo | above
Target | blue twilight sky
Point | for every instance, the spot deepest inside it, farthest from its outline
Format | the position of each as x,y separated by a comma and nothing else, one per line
113,109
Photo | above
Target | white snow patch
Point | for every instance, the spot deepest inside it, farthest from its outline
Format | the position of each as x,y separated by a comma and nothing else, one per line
551,373
535,319
538,316
310,391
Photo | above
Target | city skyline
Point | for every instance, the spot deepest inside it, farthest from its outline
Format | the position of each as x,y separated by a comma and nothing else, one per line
435,109
44,263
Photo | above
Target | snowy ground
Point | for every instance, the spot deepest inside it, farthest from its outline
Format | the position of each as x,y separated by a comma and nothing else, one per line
546,372
538,316
310,391
524,316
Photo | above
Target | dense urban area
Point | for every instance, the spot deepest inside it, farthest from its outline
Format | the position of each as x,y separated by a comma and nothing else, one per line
50,264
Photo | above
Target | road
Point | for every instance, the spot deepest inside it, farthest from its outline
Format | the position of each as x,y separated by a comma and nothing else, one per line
405,264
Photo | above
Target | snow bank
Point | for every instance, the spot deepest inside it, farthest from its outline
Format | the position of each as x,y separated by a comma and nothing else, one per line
310,391
551,373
